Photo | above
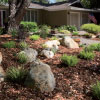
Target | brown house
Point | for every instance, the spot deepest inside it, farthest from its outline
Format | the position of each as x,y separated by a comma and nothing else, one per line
64,13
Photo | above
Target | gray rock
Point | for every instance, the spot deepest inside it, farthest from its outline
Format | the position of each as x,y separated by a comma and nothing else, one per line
0,57
69,42
41,77
47,53
2,74
30,53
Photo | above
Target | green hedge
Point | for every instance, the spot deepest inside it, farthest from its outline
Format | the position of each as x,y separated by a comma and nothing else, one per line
31,26
91,28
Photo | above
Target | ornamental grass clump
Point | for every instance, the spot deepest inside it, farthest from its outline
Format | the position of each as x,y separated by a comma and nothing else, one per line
69,60
23,45
16,75
96,90
10,44
34,37
22,58
86,55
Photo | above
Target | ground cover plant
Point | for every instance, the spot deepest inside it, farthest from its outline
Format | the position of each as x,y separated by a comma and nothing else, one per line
69,60
34,37
91,28
23,45
9,44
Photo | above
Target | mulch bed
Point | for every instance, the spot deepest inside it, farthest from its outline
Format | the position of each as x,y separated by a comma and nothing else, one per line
72,83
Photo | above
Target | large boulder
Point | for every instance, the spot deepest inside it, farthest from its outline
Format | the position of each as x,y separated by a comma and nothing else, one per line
47,53
0,57
30,53
70,43
53,44
40,77
2,74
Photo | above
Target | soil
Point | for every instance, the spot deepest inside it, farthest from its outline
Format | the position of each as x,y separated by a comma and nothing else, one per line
72,83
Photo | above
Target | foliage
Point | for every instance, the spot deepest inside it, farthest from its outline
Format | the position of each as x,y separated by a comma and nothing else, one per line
54,38
75,33
10,44
45,30
69,60
34,37
23,45
31,26
91,28
64,31
1,30
22,58
16,75
13,32
86,55
96,90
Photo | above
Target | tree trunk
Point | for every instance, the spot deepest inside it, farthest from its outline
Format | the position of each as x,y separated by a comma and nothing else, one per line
17,10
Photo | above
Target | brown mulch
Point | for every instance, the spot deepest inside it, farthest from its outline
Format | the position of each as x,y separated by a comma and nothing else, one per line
72,83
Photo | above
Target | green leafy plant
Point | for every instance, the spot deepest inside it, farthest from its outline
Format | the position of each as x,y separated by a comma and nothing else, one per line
23,45
22,58
87,55
96,90
31,26
64,31
34,37
45,31
13,32
54,38
71,28
16,75
75,33
69,60
1,30
91,28
10,44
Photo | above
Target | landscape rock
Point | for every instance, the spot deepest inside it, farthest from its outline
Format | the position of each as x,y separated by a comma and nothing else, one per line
70,43
0,57
47,53
52,44
2,74
41,77
30,53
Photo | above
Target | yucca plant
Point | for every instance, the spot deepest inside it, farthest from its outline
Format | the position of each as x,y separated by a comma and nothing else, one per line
87,55
22,58
96,90
10,44
69,60
16,75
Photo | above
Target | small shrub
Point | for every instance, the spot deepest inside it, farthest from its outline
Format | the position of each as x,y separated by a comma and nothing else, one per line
23,45
64,31
71,28
45,31
22,58
96,90
34,37
31,26
10,44
87,55
54,38
16,75
13,32
91,28
69,60
75,33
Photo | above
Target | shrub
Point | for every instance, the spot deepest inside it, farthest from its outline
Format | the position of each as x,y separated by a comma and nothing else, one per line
16,75
13,32
71,28
64,31
22,58
96,90
54,38
91,28
31,26
45,31
75,33
87,55
34,37
69,60
23,45
10,44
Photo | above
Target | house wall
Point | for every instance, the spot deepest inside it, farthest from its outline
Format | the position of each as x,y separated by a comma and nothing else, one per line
54,18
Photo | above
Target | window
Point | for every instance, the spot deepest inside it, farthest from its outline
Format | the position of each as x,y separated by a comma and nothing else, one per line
31,15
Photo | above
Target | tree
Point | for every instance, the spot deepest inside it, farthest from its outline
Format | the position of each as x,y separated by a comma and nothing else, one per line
17,9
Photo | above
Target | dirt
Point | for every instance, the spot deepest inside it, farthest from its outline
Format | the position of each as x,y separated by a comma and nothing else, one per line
72,83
